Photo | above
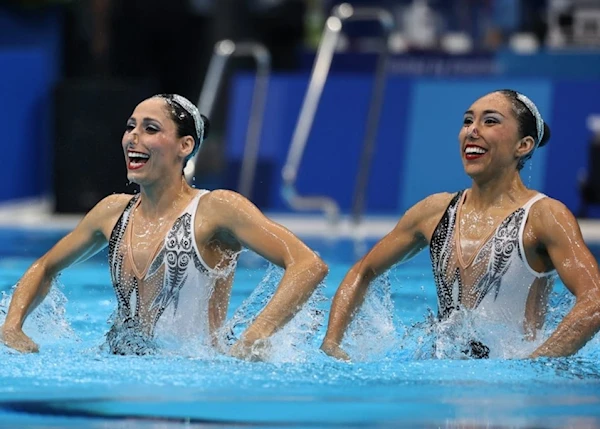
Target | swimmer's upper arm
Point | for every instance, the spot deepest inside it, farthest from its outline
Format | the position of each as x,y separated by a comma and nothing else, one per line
409,236
558,232
88,237
232,212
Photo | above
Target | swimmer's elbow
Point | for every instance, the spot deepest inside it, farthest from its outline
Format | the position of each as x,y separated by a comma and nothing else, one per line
321,268
589,311
594,312
363,272
43,268
317,267
310,266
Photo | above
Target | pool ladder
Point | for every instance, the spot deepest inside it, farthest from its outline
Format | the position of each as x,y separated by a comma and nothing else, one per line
331,34
224,50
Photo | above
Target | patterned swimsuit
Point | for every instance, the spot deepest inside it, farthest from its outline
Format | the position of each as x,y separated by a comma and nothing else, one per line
495,282
168,299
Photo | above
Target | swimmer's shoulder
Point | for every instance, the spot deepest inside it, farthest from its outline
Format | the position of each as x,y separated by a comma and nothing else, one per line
426,214
106,213
220,196
547,213
221,202
434,205
114,204
547,203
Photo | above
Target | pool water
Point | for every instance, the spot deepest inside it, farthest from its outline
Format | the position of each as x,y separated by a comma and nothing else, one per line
72,383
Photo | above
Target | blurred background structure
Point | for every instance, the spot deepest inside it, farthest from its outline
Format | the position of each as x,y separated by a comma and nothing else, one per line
382,129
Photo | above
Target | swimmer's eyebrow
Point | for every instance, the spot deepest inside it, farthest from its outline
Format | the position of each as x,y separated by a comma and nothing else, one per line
485,112
145,120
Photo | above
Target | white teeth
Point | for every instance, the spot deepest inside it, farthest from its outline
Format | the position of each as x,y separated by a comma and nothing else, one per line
137,155
475,150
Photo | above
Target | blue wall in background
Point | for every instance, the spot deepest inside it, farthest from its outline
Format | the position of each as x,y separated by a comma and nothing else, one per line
332,154
432,160
573,103
417,146
30,59
417,149
25,139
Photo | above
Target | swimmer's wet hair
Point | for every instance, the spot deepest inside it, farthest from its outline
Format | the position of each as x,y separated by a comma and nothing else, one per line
189,121
528,118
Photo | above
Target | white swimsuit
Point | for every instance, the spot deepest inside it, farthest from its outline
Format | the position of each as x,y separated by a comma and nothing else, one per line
168,299
498,277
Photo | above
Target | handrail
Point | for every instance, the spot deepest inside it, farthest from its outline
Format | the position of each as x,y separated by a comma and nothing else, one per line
223,50
373,116
333,27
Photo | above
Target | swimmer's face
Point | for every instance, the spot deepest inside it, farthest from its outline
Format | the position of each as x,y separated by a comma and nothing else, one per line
489,138
153,150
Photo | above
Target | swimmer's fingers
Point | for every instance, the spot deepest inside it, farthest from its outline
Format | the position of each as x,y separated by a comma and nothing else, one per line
237,350
335,351
257,352
17,340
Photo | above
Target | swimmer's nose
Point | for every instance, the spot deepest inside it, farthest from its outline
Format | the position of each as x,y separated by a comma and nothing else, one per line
472,132
133,140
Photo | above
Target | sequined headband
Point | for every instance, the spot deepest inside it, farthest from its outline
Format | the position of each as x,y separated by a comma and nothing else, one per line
539,122
191,108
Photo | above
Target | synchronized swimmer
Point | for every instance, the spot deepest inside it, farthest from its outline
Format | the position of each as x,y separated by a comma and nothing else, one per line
171,247
496,247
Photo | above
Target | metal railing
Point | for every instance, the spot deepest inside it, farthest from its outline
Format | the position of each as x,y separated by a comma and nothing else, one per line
224,50
320,71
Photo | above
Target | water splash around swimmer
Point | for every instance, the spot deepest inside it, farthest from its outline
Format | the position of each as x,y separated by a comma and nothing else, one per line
48,321
296,341
377,333
373,332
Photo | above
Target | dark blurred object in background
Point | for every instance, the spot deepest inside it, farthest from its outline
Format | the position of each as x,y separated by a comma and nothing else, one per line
121,51
573,23
279,25
88,158
589,179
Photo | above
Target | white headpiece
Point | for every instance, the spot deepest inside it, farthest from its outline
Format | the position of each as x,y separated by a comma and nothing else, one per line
193,111
539,122
195,114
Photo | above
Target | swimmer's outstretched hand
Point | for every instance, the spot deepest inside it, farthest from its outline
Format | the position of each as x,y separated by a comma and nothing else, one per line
256,351
334,350
16,339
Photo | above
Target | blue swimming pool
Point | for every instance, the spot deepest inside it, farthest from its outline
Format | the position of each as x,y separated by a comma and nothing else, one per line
392,383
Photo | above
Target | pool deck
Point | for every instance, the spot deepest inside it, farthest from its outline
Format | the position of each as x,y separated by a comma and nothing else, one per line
38,214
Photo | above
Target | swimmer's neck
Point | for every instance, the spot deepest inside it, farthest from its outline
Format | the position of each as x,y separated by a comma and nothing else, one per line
495,193
160,199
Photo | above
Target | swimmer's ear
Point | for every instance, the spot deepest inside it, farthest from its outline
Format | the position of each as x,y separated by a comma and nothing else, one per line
187,146
524,146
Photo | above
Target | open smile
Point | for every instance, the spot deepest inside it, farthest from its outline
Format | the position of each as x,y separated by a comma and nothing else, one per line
473,152
136,160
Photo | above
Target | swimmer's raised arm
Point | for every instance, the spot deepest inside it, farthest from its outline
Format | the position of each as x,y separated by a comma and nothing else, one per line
304,270
558,232
410,235
89,237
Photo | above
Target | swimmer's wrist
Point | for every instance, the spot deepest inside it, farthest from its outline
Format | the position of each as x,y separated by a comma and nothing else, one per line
13,323
259,330
328,341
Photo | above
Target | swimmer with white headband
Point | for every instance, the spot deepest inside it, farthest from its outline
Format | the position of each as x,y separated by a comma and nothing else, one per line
495,247
173,248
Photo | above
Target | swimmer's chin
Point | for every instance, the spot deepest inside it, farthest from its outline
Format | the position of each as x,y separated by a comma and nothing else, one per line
136,179
133,181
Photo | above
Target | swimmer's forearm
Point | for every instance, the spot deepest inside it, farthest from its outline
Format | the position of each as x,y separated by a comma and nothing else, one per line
30,291
296,286
575,330
346,301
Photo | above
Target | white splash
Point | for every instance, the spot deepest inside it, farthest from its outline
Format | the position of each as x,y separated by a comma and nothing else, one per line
296,341
47,324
